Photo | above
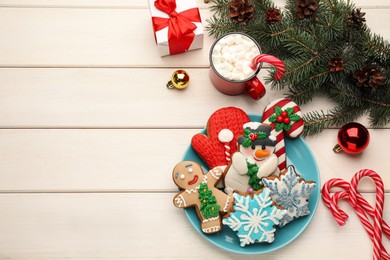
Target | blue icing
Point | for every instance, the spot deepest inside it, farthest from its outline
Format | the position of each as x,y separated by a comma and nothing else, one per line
291,194
254,218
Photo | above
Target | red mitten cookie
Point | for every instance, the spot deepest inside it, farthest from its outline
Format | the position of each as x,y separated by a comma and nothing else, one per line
223,128
285,118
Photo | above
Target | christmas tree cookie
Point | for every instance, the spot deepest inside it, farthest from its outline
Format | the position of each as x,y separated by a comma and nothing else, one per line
254,217
291,192
198,190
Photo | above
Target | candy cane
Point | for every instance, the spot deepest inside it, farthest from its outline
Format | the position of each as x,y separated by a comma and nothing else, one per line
340,216
295,130
362,216
278,64
225,136
361,207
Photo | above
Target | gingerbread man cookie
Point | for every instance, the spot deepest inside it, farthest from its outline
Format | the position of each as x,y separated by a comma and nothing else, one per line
198,190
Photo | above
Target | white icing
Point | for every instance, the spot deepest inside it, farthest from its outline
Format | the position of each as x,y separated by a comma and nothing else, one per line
225,208
232,56
215,173
268,166
251,160
210,219
272,137
252,125
180,201
211,229
225,136
190,170
236,177
182,176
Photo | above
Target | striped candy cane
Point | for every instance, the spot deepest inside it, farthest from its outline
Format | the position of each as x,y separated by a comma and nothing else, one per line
278,64
361,207
295,130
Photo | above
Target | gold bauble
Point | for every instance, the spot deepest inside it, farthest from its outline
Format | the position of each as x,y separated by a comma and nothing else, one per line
180,80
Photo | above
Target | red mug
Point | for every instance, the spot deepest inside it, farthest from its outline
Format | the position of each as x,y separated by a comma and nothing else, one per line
251,85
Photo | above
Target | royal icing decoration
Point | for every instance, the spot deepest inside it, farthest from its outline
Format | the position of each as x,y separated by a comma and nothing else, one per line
254,159
198,190
220,142
225,136
291,192
254,217
208,202
285,118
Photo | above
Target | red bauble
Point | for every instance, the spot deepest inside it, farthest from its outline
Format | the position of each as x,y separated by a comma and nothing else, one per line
284,114
286,120
279,119
352,138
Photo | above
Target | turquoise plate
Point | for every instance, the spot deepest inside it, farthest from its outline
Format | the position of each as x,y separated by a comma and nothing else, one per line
299,155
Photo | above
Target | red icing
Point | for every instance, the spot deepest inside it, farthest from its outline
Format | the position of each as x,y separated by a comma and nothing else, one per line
194,180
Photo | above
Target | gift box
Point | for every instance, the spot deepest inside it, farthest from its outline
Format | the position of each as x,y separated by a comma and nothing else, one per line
177,25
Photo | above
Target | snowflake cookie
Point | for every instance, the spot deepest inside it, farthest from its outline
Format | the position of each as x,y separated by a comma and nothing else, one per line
291,192
254,217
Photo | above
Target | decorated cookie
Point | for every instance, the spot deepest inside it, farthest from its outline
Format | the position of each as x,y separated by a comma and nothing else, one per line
254,159
285,118
254,217
220,142
291,192
198,190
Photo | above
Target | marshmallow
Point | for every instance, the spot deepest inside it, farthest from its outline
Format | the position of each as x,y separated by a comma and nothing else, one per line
232,55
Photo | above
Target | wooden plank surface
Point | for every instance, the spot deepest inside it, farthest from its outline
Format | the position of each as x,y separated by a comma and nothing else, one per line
119,226
119,98
133,159
63,37
137,4
89,135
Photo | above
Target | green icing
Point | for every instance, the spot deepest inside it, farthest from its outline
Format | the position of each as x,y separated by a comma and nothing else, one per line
252,136
254,181
282,126
208,206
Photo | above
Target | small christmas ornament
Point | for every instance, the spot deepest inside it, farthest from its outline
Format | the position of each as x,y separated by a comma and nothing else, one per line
356,18
179,79
353,138
336,65
241,11
369,76
305,8
273,15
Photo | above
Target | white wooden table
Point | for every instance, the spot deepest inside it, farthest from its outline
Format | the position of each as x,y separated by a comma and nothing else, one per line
89,135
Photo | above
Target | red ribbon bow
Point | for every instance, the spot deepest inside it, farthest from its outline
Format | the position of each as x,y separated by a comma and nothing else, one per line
180,25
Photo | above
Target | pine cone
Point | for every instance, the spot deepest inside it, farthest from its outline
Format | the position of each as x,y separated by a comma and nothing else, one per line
273,15
241,11
336,64
305,8
369,76
356,18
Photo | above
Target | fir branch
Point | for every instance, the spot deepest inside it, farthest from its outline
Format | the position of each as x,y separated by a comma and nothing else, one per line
316,122
307,45
302,65
357,97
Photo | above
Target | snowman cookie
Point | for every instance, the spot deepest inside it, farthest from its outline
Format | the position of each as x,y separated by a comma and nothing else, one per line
198,190
254,159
